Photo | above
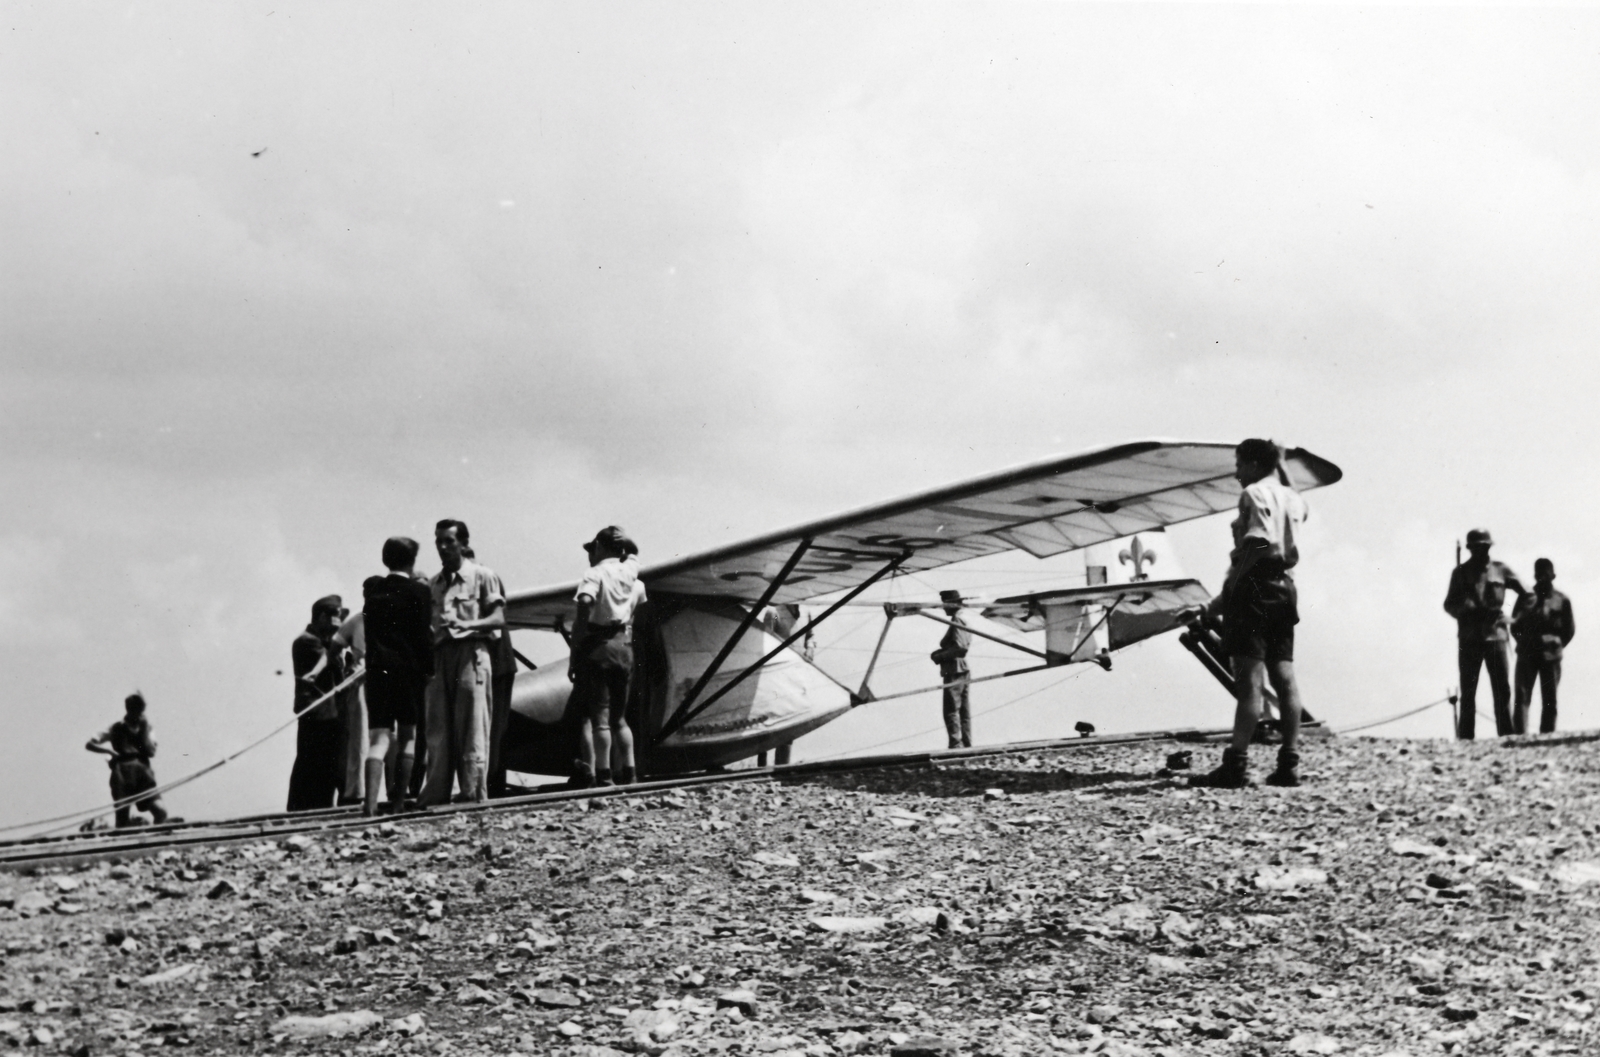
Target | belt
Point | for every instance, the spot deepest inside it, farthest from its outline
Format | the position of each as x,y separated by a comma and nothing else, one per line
605,631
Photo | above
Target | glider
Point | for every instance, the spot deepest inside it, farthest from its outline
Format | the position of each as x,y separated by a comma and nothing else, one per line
715,683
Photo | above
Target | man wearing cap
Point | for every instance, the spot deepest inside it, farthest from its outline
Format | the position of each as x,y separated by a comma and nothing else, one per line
1542,625
951,657
1476,599
602,658
468,613
318,764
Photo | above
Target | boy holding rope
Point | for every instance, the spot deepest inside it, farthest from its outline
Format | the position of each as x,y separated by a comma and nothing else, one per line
130,746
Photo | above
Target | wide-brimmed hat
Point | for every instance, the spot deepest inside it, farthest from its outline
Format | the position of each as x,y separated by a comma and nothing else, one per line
612,538
1480,536
949,595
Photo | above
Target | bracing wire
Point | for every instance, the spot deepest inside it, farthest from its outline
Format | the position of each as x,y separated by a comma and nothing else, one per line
1394,718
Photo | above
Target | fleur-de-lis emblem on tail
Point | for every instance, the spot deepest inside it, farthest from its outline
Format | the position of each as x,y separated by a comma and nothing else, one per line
1138,556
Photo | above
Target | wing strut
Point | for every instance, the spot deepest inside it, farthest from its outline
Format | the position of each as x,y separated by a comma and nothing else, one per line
865,693
1105,661
684,714
744,625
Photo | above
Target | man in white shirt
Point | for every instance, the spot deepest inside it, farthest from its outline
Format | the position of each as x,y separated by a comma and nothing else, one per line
1259,607
468,614
602,658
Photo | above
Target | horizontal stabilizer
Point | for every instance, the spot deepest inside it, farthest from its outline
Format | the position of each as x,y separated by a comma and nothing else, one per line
1080,623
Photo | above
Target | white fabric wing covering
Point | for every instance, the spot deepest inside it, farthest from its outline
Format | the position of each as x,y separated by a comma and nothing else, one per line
1045,508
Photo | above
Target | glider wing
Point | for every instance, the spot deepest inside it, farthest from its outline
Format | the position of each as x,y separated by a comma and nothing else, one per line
1045,508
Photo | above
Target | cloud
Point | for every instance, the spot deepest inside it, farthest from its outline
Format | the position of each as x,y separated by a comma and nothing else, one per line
35,611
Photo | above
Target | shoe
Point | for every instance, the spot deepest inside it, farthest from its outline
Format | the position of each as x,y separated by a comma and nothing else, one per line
627,776
1233,774
1287,775
582,777
603,778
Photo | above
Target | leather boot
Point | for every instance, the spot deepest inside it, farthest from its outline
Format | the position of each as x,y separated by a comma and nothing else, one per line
1287,774
1233,774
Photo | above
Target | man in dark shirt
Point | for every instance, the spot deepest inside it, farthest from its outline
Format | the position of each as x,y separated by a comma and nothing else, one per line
399,662
1477,599
318,764
1542,625
951,657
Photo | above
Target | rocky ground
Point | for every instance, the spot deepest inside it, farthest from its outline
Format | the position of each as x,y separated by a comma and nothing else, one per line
1417,898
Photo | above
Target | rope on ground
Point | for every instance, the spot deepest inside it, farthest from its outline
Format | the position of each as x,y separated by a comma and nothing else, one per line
77,818
1393,718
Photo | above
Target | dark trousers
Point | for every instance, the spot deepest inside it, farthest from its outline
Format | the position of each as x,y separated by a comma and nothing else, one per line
957,714
499,718
1530,666
318,765
1496,657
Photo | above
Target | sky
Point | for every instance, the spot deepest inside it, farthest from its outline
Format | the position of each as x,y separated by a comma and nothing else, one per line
282,280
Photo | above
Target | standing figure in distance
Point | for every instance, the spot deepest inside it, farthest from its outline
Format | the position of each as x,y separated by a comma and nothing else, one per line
130,746
602,658
468,611
397,627
1476,599
1541,623
1259,607
951,657
318,766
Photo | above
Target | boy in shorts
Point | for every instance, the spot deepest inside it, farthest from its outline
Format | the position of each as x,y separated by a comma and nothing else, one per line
1258,608
130,746
399,656
602,658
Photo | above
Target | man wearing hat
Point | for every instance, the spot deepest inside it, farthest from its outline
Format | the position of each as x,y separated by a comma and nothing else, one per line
468,613
318,761
951,657
1477,599
1541,623
602,658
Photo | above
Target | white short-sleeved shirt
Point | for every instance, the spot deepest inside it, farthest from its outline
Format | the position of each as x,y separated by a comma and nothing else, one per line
1272,512
614,585
472,592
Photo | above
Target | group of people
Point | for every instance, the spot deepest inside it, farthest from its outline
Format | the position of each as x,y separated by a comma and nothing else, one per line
1540,624
1258,608
438,656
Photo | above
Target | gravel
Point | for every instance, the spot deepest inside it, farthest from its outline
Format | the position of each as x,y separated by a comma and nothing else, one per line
1412,898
